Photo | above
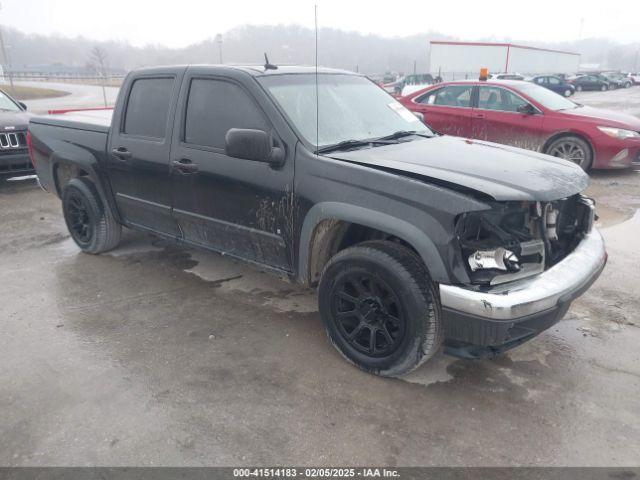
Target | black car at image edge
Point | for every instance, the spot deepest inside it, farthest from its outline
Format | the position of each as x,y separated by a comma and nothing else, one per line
14,120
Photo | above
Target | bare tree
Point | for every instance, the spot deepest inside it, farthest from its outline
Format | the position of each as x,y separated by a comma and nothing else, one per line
98,63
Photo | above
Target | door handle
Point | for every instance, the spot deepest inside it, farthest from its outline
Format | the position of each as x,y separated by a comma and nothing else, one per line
478,115
184,166
122,153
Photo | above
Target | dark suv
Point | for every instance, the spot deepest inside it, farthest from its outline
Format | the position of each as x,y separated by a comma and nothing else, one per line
14,159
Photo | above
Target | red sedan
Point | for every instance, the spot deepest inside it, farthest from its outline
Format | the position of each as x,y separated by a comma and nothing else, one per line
529,116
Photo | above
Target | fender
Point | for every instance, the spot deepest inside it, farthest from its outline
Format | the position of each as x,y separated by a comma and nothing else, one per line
66,152
373,219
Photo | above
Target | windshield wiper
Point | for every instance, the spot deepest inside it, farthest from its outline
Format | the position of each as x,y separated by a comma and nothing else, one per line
403,133
354,144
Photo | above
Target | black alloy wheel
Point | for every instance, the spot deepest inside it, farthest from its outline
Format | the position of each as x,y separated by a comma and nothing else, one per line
89,220
368,314
380,308
78,214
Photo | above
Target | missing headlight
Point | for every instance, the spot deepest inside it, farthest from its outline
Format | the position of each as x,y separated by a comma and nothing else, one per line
500,244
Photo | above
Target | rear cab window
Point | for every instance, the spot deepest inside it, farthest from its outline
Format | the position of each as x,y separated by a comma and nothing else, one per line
147,109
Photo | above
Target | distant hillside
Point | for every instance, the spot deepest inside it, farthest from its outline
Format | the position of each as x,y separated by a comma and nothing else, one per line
285,44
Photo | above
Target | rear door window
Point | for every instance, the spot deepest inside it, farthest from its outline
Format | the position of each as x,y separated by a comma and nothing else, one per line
216,106
452,96
147,108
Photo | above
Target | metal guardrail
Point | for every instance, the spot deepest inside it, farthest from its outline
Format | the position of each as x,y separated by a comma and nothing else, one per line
62,78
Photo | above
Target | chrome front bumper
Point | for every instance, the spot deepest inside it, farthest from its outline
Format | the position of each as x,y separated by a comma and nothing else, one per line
558,285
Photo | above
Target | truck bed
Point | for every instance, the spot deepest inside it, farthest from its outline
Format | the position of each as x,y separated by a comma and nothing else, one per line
79,137
89,120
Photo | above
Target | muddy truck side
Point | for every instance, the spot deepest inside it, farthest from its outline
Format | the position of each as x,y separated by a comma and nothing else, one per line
415,241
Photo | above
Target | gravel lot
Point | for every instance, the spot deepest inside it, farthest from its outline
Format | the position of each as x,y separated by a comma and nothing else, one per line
155,355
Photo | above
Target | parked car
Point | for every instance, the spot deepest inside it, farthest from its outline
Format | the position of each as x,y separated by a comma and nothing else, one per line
529,116
413,239
413,83
14,158
618,80
507,76
590,82
555,84
635,78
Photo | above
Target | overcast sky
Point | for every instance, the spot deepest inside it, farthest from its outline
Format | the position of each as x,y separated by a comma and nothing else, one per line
180,23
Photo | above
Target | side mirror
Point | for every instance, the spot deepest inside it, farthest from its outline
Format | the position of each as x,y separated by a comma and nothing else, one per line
23,105
255,145
526,109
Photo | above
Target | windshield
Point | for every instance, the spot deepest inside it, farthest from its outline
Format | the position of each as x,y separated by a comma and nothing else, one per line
350,108
547,98
7,105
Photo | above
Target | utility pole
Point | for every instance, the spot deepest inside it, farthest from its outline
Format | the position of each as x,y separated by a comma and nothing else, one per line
219,42
581,27
5,57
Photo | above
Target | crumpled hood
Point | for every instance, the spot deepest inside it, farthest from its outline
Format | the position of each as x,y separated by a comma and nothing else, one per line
504,173
19,120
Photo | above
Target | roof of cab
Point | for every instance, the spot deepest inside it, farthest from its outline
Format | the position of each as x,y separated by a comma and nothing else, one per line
254,70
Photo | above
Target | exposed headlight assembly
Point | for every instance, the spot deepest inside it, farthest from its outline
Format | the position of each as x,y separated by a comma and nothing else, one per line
499,259
619,133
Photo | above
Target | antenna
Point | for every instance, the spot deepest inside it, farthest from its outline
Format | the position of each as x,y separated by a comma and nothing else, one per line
267,65
315,18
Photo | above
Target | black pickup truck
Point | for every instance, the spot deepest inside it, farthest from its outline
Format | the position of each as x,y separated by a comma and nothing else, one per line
415,240
14,159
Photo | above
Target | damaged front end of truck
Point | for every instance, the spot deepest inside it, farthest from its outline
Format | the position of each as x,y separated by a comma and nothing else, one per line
515,240
526,262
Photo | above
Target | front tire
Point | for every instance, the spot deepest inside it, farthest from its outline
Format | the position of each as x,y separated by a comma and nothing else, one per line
604,88
89,221
578,88
572,148
380,308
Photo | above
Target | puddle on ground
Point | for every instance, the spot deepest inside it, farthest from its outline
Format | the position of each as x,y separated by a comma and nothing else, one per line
433,371
624,236
233,276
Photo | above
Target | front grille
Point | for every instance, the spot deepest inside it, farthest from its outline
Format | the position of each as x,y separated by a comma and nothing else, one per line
16,168
12,141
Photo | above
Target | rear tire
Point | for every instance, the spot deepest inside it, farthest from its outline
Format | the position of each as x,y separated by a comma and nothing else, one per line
572,148
604,88
380,308
578,88
89,221
568,93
